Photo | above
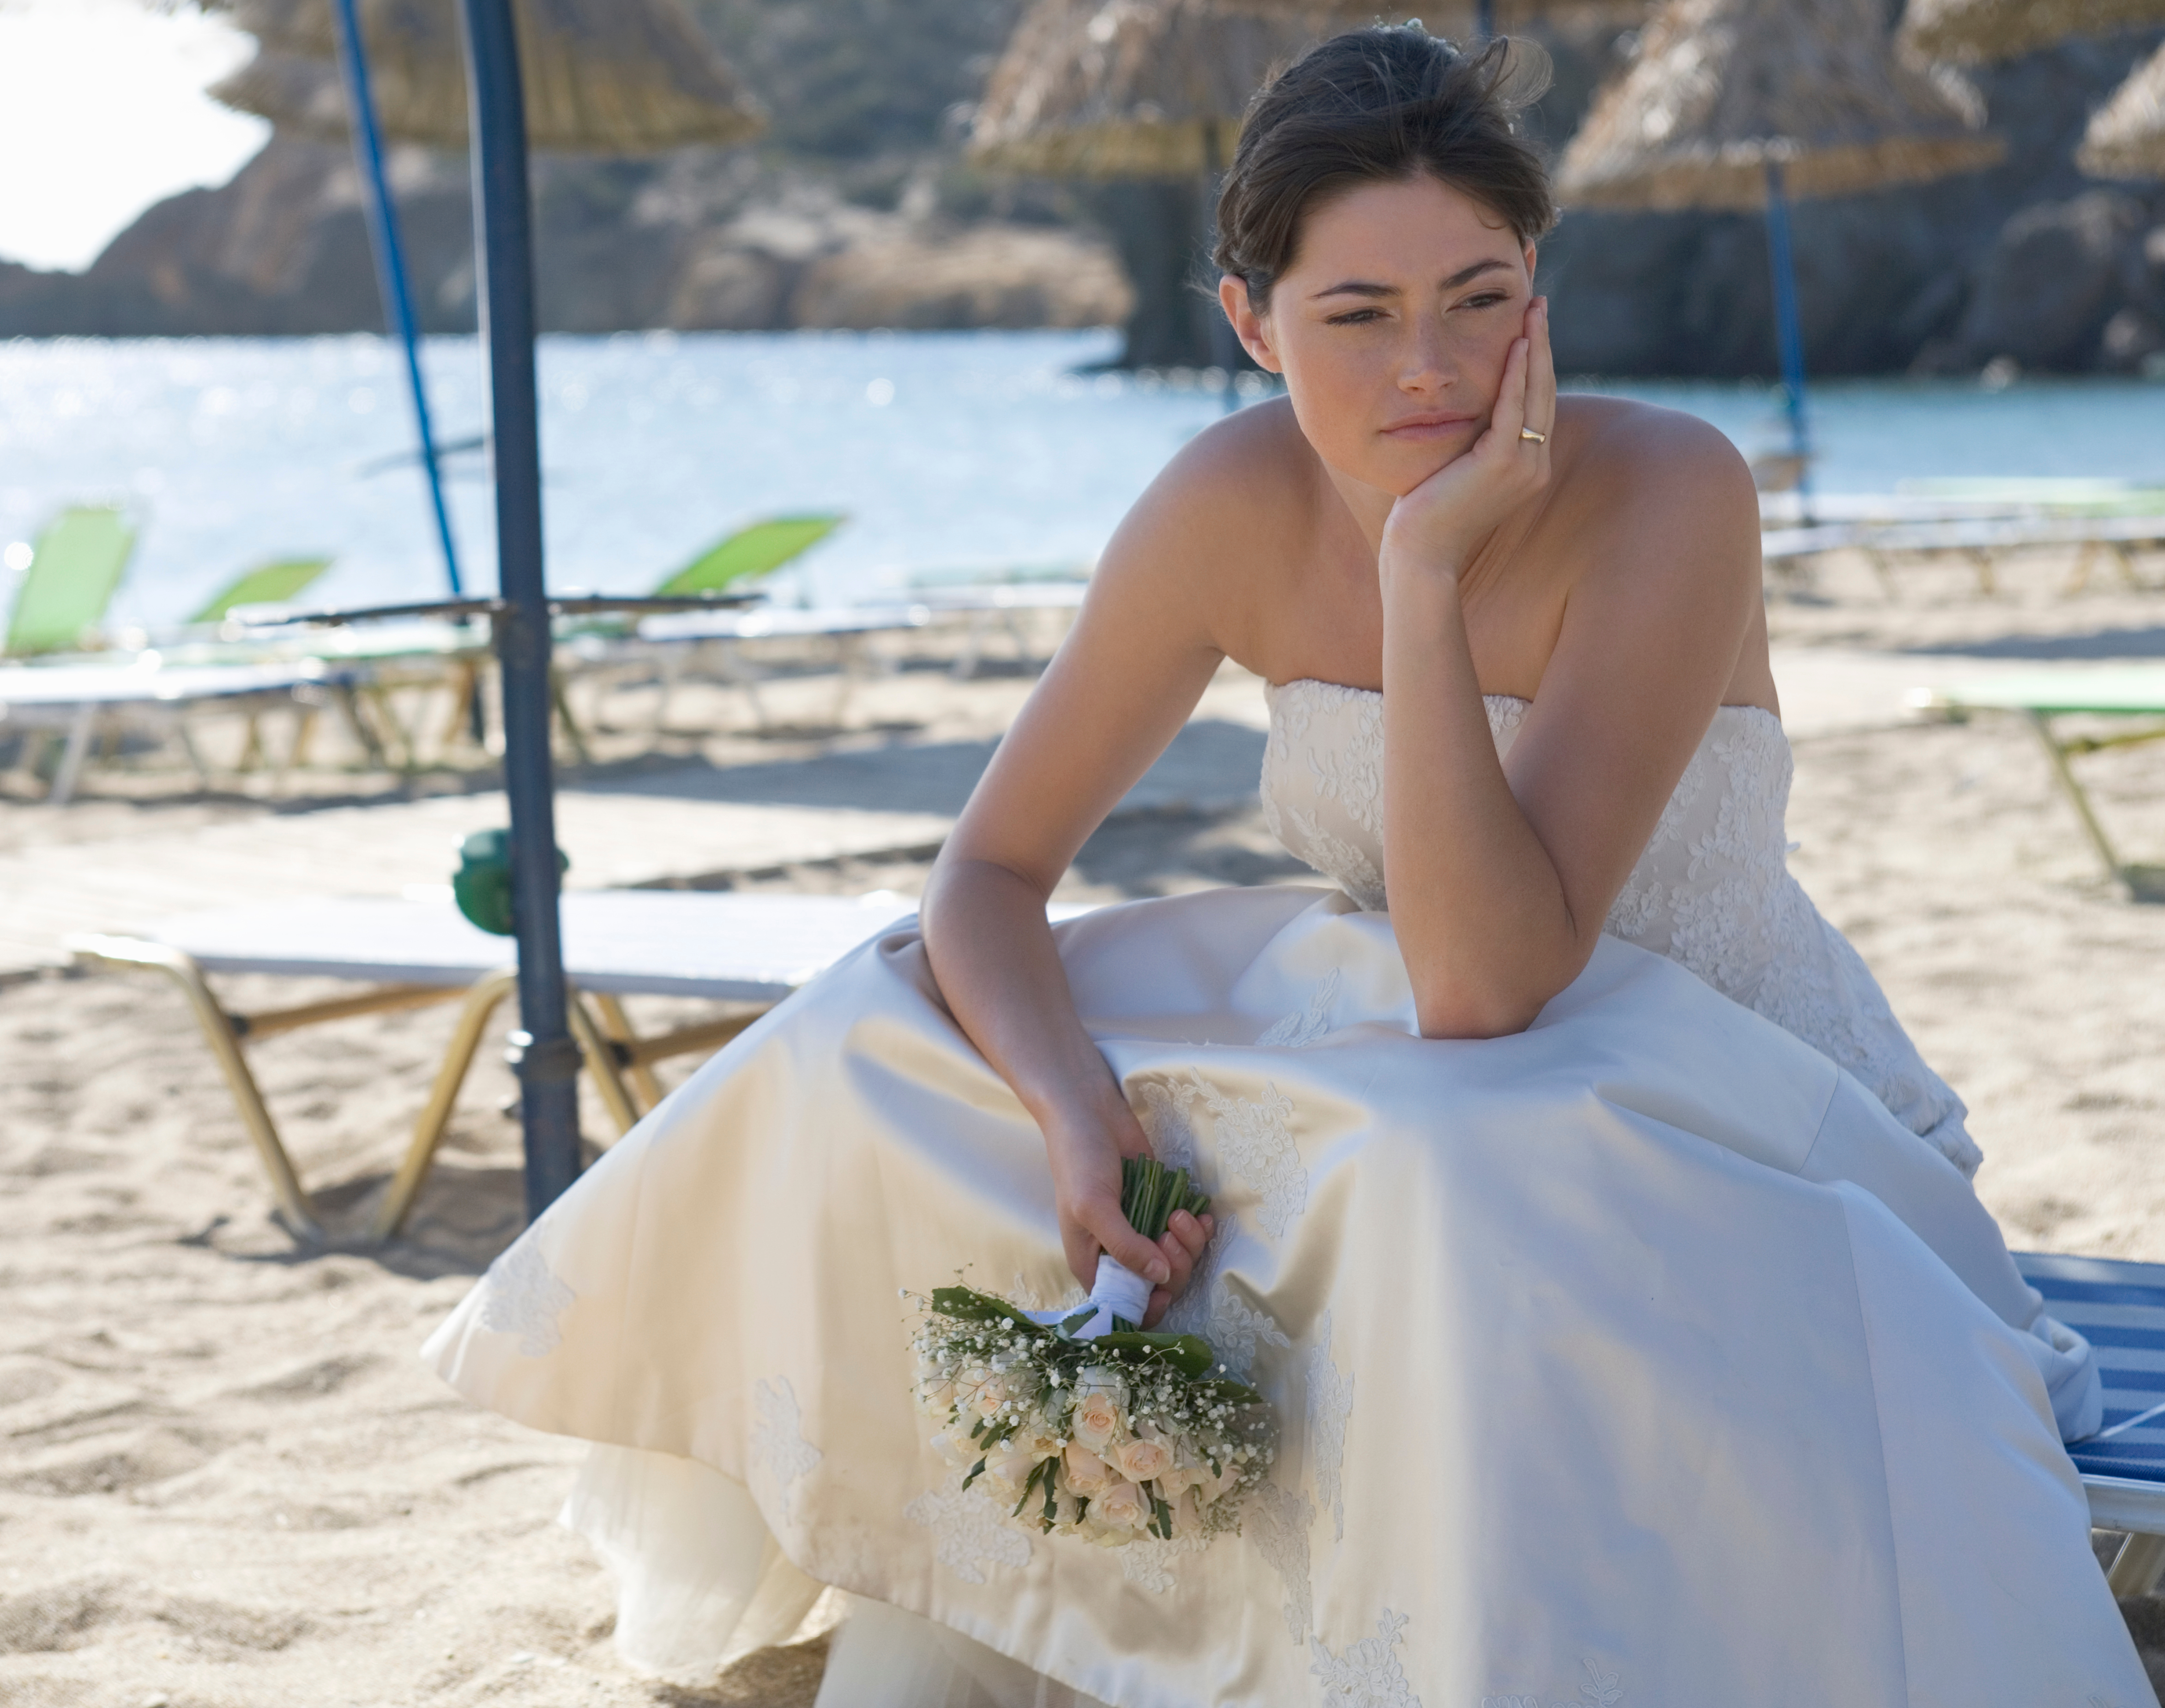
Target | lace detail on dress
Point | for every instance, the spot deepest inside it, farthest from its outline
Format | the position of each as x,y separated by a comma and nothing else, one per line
525,1298
1279,1520
1330,1404
1369,1674
1297,1031
969,1530
780,1457
1599,1690
1254,1141
1712,890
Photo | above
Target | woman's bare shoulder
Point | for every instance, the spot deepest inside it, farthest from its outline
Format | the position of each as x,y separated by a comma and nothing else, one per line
1228,505
1619,444
1633,472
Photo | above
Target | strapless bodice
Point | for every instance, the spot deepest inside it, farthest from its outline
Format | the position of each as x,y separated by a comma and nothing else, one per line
1712,890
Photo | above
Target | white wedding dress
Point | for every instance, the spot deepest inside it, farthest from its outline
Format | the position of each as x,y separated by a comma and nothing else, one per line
1661,1355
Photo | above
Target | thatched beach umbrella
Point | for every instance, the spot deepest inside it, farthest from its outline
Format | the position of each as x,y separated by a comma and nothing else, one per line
601,76
2126,135
1742,104
1135,89
1970,32
1130,88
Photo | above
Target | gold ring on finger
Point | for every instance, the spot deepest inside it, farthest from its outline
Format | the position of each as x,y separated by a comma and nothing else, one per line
1529,433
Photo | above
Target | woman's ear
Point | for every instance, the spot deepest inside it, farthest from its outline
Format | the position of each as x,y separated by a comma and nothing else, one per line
1251,329
1531,258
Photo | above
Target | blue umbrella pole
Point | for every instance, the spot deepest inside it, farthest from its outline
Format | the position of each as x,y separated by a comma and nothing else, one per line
1788,328
1484,19
391,262
542,1051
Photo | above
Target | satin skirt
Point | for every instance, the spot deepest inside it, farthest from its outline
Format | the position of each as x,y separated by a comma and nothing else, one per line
1641,1358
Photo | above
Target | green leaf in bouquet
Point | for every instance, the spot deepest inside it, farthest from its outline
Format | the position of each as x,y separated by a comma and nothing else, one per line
967,1305
1189,1354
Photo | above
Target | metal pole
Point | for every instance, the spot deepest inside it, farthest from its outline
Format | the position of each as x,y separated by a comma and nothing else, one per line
1788,327
543,1051
1484,19
390,260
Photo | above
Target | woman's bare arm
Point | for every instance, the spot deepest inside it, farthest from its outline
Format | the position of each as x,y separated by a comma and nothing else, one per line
1139,657
1501,874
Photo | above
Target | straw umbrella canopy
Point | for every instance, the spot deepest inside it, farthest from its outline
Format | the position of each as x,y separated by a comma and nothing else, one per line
600,77
1130,88
1969,32
1459,17
2126,135
1723,90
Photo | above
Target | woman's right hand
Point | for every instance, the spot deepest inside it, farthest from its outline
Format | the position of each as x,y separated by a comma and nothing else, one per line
1086,1151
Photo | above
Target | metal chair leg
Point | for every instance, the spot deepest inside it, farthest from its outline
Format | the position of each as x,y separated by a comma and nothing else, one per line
616,1026
72,758
601,1060
2077,797
224,1044
2137,1568
483,997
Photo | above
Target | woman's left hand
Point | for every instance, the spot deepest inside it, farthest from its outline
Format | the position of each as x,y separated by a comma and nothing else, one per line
1437,527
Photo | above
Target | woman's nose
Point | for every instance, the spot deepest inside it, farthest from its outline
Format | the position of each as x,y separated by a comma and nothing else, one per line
1425,364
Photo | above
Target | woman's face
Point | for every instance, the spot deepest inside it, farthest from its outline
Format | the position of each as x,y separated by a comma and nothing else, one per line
1392,327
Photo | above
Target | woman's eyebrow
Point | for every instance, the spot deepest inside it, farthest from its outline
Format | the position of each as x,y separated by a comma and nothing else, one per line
1369,288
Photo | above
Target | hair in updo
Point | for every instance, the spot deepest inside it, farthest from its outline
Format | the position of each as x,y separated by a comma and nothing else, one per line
1380,105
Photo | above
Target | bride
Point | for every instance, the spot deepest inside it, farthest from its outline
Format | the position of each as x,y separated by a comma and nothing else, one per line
1602,1245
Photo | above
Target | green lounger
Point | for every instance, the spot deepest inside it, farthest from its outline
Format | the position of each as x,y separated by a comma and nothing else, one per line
76,564
2135,691
759,549
271,584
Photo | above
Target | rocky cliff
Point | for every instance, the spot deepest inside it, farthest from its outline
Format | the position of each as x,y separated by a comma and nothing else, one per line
859,210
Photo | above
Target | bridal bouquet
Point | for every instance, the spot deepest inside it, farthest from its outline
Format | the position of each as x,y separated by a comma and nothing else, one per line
1089,1425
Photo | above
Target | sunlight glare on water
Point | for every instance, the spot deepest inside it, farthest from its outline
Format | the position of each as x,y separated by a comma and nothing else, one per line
947,450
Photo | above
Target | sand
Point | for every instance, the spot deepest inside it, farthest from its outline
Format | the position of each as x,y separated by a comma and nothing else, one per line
226,1481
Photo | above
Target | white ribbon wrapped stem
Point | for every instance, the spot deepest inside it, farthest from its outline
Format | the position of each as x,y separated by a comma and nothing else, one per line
1117,1291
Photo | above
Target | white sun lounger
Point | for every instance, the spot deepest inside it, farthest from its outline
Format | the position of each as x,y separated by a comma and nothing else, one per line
1981,540
81,698
676,633
747,950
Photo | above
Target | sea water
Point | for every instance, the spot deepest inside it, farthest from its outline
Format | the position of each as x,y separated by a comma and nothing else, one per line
950,454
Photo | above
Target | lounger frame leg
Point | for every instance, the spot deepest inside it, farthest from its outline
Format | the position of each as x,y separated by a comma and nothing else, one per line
223,1037
482,998
2138,1567
602,1062
616,1027
73,756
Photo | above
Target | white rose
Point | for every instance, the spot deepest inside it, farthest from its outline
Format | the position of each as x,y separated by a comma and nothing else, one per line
1011,1464
991,1396
1122,1506
958,1451
1209,1488
1142,1461
937,1398
1086,1473
1102,1378
1186,1515
1096,1420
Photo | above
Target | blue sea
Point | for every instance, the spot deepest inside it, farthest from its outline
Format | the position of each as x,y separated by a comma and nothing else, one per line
950,452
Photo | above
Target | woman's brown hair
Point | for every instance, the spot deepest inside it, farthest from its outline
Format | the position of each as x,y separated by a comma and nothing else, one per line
1378,106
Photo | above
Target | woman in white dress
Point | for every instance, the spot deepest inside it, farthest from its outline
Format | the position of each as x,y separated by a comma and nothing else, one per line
1605,1249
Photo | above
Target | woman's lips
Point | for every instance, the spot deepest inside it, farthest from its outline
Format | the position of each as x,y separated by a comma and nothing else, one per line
1418,427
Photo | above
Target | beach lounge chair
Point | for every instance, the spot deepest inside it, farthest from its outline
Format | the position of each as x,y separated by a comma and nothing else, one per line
82,701
751,950
1979,541
2120,1307
749,552
76,564
681,636
2134,691
273,583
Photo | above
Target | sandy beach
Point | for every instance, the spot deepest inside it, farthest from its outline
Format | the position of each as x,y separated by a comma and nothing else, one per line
226,1481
